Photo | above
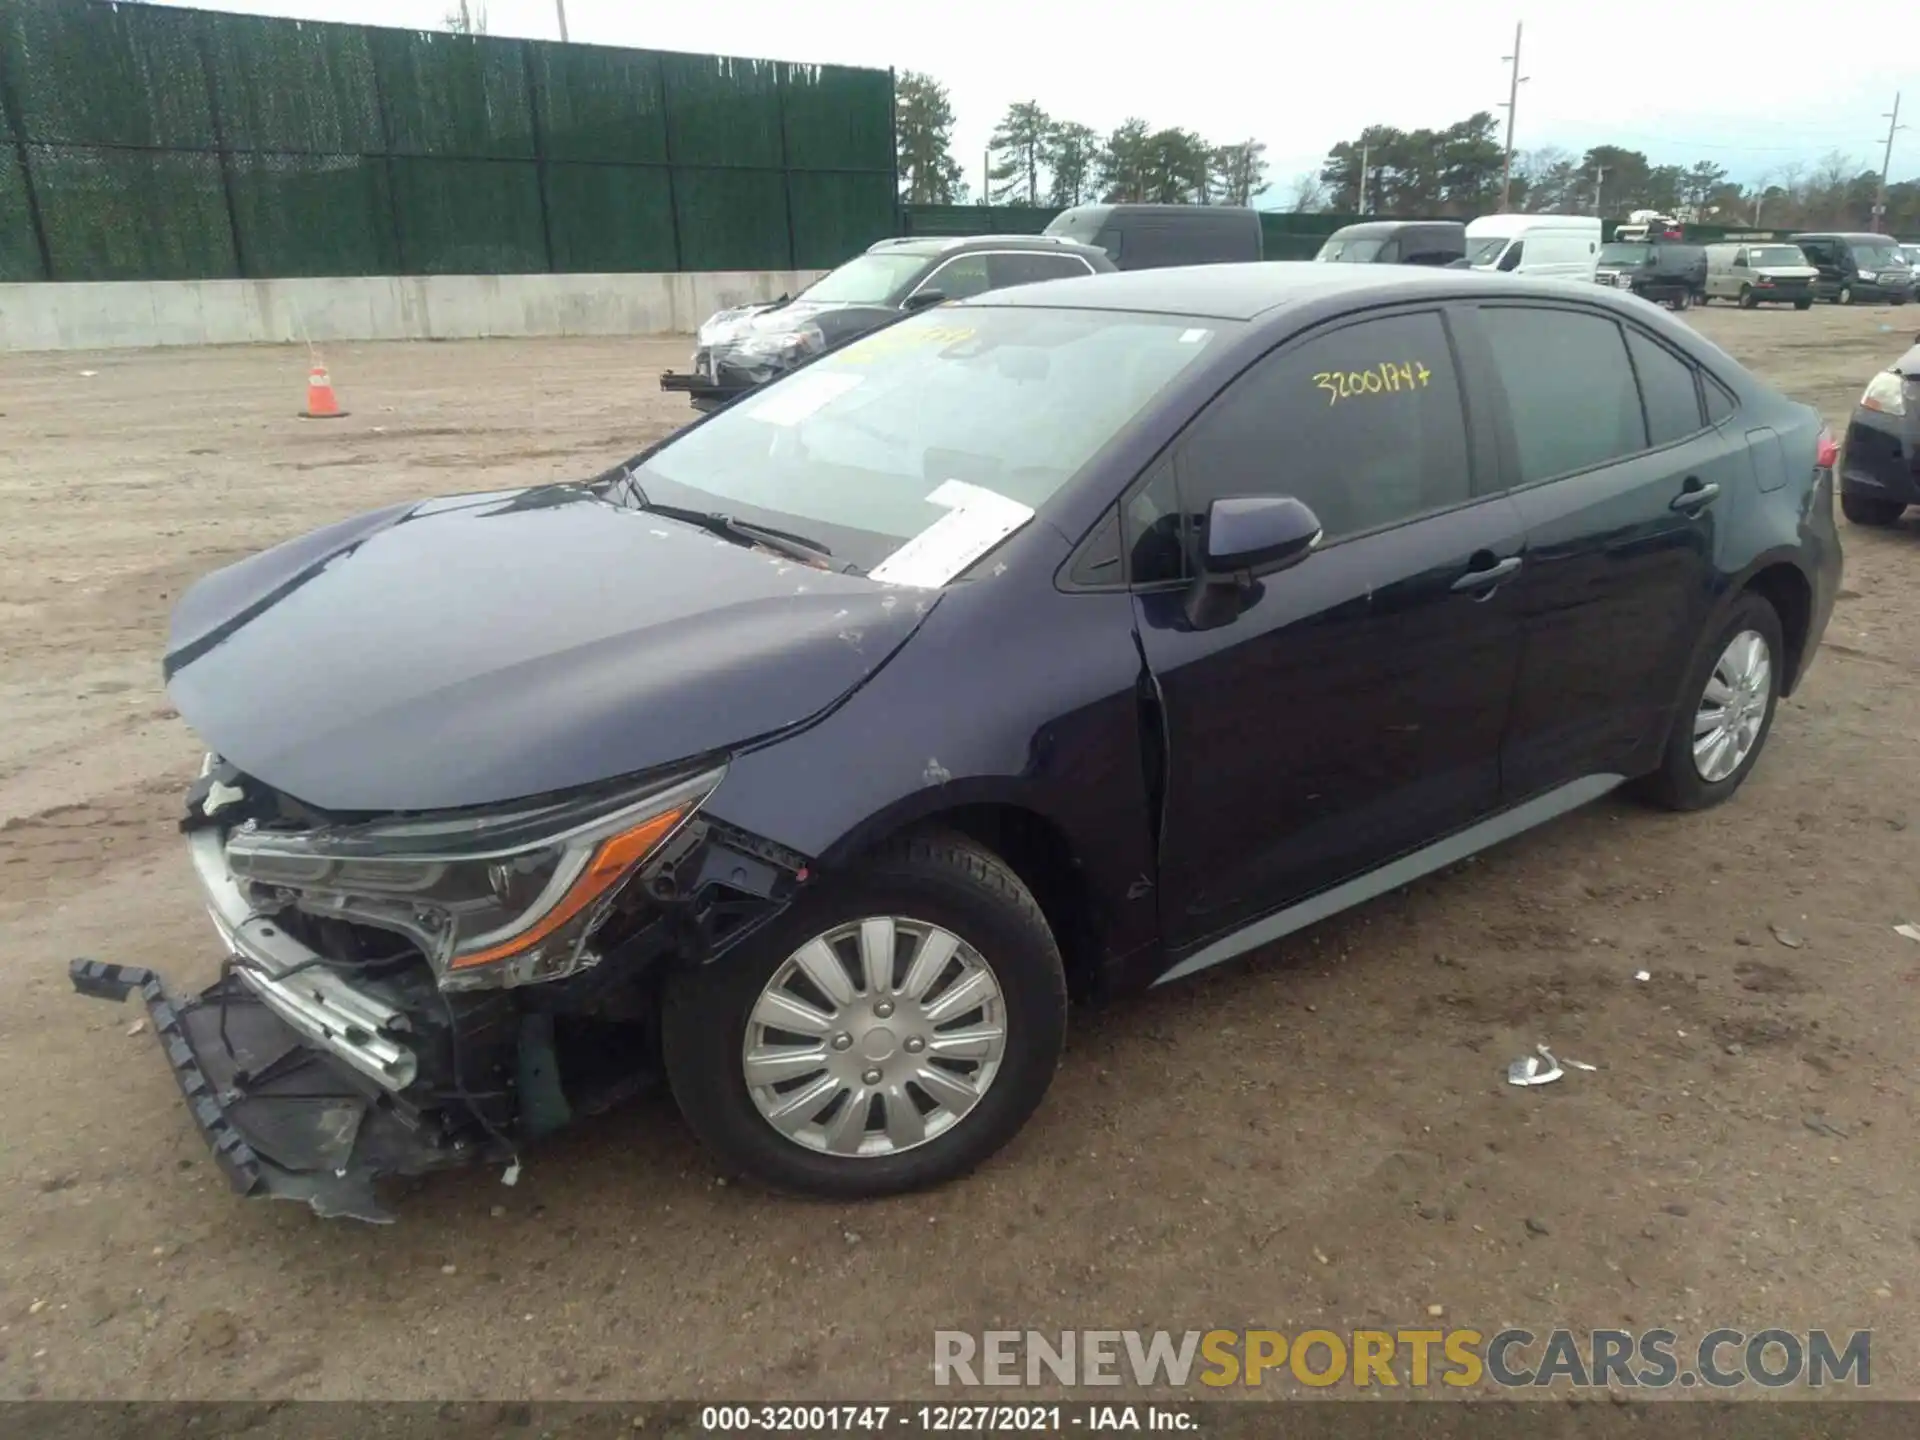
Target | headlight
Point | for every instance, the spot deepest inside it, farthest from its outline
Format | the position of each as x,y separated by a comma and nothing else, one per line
503,897
1886,392
771,344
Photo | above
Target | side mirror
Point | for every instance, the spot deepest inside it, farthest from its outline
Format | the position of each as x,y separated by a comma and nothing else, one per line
1257,534
922,299
1246,536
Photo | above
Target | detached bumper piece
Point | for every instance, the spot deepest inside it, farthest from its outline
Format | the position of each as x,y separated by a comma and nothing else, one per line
710,394
284,1120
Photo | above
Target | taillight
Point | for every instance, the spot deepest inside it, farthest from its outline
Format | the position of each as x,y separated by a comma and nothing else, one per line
1828,454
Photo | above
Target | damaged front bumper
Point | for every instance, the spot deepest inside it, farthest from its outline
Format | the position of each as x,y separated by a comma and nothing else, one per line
284,1119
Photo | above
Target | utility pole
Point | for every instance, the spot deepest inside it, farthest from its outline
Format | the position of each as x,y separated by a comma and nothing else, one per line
560,8
1599,179
1894,127
1366,153
986,177
1513,100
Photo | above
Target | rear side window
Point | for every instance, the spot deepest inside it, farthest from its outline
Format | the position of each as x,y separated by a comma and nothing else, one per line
1570,390
1667,389
1022,269
1720,401
1364,424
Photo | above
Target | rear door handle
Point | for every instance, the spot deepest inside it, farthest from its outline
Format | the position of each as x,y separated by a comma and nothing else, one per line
1695,497
1489,576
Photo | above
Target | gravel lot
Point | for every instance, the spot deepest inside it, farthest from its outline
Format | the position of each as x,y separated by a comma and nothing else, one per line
1318,1136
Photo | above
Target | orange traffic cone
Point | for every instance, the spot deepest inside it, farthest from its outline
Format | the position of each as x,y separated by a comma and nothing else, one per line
322,403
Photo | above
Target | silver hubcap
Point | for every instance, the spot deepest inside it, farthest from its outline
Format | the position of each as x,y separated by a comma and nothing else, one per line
875,1037
1733,707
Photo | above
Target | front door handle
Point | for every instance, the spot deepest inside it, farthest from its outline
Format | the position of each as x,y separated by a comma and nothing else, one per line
1695,497
1489,576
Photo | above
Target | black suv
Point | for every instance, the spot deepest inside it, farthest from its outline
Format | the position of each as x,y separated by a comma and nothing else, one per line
1070,639
740,349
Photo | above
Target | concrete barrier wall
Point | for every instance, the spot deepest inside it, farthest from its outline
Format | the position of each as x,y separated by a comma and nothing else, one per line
138,314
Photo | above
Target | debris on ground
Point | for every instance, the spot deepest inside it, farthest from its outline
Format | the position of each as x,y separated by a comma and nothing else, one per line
1786,937
1912,932
1542,1068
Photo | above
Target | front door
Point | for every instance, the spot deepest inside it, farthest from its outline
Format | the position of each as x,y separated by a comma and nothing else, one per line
1353,709
1617,477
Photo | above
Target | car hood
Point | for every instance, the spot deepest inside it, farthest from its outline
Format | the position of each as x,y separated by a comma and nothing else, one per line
490,647
730,327
1788,272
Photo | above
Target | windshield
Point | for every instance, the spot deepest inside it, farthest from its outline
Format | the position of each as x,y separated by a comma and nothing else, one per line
1628,254
1871,252
1353,252
1008,399
1775,255
1485,252
865,280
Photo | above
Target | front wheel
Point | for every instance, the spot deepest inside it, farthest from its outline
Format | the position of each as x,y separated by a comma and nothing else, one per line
1870,509
893,1029
1747,302
1844,296
1682,300
1727,712
1803,304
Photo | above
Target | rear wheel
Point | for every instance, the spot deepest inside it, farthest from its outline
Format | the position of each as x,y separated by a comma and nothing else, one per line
1682,300
1747,302
1870,509
1728,711
1803,304
891,1030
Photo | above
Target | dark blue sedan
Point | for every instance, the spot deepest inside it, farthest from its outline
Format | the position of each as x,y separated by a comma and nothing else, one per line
1065,641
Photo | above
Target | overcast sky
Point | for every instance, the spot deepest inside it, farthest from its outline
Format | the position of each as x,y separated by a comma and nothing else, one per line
1681,79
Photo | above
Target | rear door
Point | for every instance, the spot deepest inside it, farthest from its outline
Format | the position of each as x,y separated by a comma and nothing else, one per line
1617,476
1353,710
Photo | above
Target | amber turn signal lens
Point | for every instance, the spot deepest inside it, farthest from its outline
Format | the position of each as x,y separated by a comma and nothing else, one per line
617,855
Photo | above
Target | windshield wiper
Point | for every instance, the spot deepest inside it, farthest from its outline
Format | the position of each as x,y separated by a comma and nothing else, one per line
727,527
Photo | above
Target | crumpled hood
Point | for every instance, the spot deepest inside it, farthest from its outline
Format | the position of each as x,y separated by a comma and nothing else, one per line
489,647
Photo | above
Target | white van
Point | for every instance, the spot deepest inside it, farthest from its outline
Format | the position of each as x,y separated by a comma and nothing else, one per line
1563,247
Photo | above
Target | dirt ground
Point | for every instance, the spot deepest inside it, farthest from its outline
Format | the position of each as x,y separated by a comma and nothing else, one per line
1320,1136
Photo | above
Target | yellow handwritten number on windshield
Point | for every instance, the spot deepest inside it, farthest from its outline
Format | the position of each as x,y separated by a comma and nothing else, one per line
1389,377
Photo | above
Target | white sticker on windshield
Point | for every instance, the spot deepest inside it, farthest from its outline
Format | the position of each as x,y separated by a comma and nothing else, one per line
977,519
1193,337
798,396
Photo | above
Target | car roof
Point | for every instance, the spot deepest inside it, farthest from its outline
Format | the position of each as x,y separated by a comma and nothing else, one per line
1247,291
931,245
1129,208
1365,229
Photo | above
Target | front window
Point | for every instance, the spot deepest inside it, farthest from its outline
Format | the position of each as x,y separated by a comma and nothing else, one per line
866,280
1627,254
1007,399
1871,256
1485,252
1775,255
1351,252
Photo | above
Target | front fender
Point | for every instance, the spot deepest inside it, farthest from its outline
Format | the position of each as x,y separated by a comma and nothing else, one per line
1011,693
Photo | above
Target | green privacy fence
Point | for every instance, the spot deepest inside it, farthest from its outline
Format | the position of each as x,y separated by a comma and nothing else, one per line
144,142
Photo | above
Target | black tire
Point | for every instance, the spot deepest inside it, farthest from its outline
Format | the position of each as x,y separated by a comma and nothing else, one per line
1870,509
937,877
1843,296
1677,784
1747,302
1705,299
1682,300
1803,304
